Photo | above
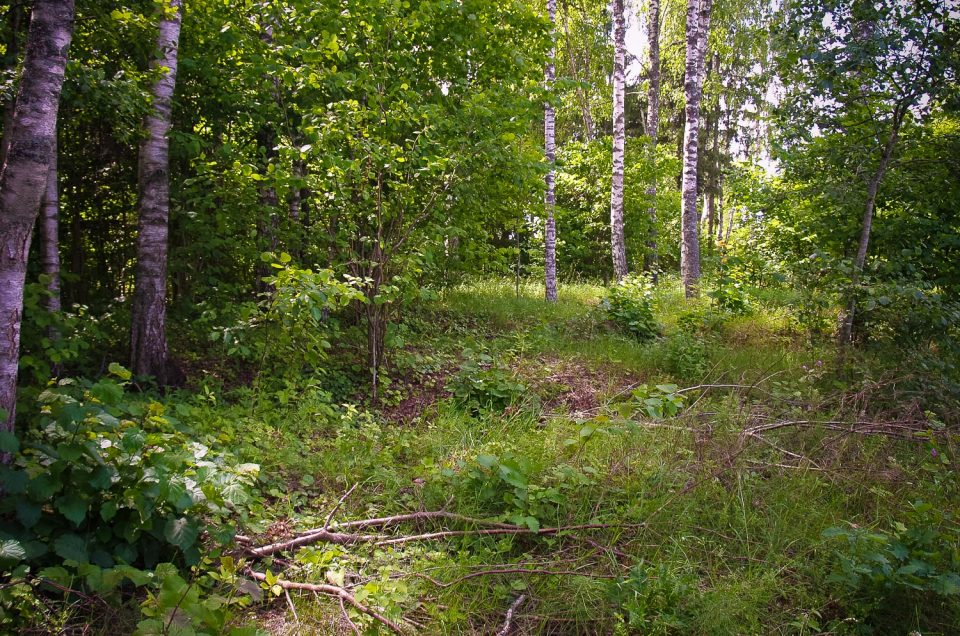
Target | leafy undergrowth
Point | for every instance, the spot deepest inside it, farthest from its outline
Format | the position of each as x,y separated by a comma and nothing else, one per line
720,478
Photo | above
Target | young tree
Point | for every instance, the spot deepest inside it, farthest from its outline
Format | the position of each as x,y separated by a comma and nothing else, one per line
617,243
550,146
698,27
31,140
653,124
857,72
148,339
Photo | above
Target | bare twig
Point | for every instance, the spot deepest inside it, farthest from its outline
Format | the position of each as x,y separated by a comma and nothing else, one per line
346,616
508,622
326,524
333,590
293,609
345,538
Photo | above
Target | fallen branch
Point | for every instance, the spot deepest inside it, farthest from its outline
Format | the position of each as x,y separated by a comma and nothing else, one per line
509,619
333,590
323,535
496,531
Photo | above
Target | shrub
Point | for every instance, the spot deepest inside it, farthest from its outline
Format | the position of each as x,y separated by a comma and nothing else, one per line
480,385
104,479
885,572
685,356
629,305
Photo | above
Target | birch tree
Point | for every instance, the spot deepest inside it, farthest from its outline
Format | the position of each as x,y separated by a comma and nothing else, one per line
550,147
31,140
697,30
617,243
148,339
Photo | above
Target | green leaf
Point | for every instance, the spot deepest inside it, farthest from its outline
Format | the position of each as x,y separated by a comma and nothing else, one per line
72,547
11,550
108,511
119,371
107,392
181,532
9,443
28,512
102,477
73,508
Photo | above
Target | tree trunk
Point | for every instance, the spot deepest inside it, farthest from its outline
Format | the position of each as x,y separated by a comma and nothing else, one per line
50,235
550,146
148,340
617,243
873,187
651,261
31,139
589,130
698,22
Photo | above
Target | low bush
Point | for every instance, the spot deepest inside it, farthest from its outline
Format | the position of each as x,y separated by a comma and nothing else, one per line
629,305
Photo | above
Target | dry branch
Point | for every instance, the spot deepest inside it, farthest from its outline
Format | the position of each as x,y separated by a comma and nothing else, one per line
507,623
323,535
333,590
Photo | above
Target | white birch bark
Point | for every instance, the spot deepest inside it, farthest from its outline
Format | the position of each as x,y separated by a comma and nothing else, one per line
550,147
30,142
698,27
617,243
148,339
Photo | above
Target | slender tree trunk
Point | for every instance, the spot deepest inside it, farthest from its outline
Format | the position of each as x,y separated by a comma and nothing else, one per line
148,340
617,242
732,213
651,261
873,187
698,22
713,183
31,139
589,130
550,144
50,235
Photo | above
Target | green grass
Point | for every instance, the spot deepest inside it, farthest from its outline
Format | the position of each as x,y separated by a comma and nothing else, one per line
728,529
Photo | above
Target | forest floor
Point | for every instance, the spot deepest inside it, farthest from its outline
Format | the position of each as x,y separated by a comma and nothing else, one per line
721,479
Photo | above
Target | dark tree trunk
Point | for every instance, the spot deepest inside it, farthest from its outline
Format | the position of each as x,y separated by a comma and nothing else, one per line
148,340
589,129
50,235
31,139
651,261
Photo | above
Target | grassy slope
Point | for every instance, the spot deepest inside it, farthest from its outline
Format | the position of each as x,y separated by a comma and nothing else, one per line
730,541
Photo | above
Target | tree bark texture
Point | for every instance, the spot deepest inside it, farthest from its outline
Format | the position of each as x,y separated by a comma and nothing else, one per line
50,235
617,241
31,141
651,260
873,187
550,147
698,26
148,340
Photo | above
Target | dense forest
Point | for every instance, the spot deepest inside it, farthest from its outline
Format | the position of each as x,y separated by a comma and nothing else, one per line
475,317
